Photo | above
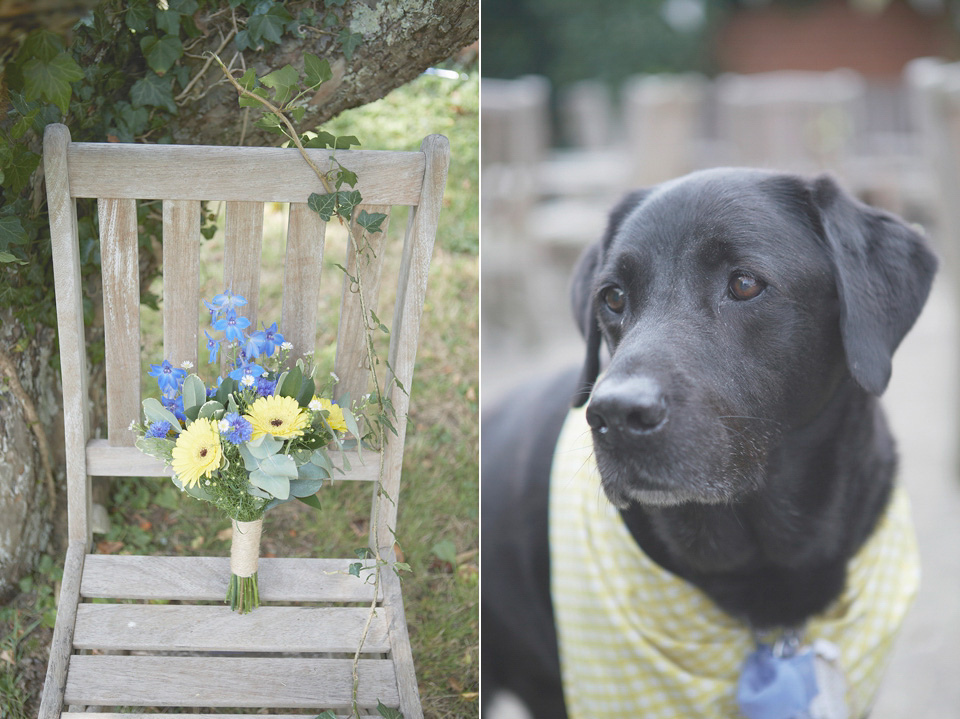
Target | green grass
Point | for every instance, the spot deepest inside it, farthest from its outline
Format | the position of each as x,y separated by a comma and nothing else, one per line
438,520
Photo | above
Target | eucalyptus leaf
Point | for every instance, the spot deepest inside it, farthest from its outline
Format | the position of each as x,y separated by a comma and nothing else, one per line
211,409
279,465
156,412
311,472
264,446
304,487
194,490
274,485
256,492
250,462
194,393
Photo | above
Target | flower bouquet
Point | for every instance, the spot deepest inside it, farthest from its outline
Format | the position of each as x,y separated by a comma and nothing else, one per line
255,439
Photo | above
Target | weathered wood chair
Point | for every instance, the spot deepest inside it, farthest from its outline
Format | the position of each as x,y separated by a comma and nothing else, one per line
294,652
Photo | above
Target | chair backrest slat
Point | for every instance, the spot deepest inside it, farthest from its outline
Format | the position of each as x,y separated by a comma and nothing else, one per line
120,268
181,280
243,242
261,174
301,278
352,368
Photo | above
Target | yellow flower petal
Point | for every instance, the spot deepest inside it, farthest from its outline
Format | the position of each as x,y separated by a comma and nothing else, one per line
335,416
197,452
281,417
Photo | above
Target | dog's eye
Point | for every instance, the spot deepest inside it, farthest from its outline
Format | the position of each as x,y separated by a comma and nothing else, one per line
615,299
744,286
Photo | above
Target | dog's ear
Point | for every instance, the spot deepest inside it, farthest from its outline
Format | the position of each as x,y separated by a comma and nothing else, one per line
582,294
883,272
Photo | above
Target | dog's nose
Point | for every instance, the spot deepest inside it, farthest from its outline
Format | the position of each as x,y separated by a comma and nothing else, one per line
630,406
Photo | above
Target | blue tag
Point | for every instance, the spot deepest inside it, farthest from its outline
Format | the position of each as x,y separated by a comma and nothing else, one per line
772,687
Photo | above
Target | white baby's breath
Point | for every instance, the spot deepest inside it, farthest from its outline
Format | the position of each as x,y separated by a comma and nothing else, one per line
247,380
286,346
315,405
187,364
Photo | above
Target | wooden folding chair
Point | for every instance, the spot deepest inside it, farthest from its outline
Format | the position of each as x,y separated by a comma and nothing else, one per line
192,652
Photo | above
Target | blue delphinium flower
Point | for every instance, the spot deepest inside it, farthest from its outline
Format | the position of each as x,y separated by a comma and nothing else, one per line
269,339
232,325
158,430
253,347
213,346
266,387
168,377
224,302
175,405
235,429
253,370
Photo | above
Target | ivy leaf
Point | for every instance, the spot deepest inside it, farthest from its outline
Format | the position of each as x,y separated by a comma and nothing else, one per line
42,45
169,21
349,42
248,80
315,70
154,91
269,25
11,232
270,122
7,257
344,142
284,83
250,102
388,712
51,79
346,201
17,171
346,177
355,569
138,16
161,53
323,205
371,221
320,140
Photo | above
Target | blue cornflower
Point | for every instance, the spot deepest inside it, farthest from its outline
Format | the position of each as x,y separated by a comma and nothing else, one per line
158,430
168,377
175,405
213,346
270,339
266,387
235,429
253,370
232,325
224,302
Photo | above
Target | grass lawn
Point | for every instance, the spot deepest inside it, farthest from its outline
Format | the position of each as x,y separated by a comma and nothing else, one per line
438,522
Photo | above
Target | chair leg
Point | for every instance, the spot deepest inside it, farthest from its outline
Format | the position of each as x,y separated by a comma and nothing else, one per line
51,701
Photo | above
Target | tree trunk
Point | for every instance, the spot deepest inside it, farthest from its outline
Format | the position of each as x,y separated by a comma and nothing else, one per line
401,38
25,507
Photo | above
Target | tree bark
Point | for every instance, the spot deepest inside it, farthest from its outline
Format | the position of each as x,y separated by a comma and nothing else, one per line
401,39
25,504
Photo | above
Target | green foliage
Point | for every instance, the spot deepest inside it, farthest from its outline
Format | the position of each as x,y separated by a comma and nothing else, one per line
119,80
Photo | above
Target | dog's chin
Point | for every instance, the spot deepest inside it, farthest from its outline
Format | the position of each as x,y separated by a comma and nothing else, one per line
626,484
622,497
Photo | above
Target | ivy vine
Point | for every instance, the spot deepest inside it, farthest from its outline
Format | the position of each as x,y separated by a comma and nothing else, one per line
129,70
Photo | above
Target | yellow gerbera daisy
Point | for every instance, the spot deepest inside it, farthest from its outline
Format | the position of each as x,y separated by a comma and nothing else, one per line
281,417
335,416
197,452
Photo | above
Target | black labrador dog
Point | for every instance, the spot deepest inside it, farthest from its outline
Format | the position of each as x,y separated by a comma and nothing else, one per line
749,319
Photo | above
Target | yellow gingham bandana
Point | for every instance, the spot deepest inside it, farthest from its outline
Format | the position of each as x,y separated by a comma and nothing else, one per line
637,641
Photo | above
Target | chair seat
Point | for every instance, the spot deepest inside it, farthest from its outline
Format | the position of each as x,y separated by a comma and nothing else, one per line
196,652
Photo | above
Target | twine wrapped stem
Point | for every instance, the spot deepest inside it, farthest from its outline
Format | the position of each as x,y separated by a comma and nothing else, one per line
243,593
